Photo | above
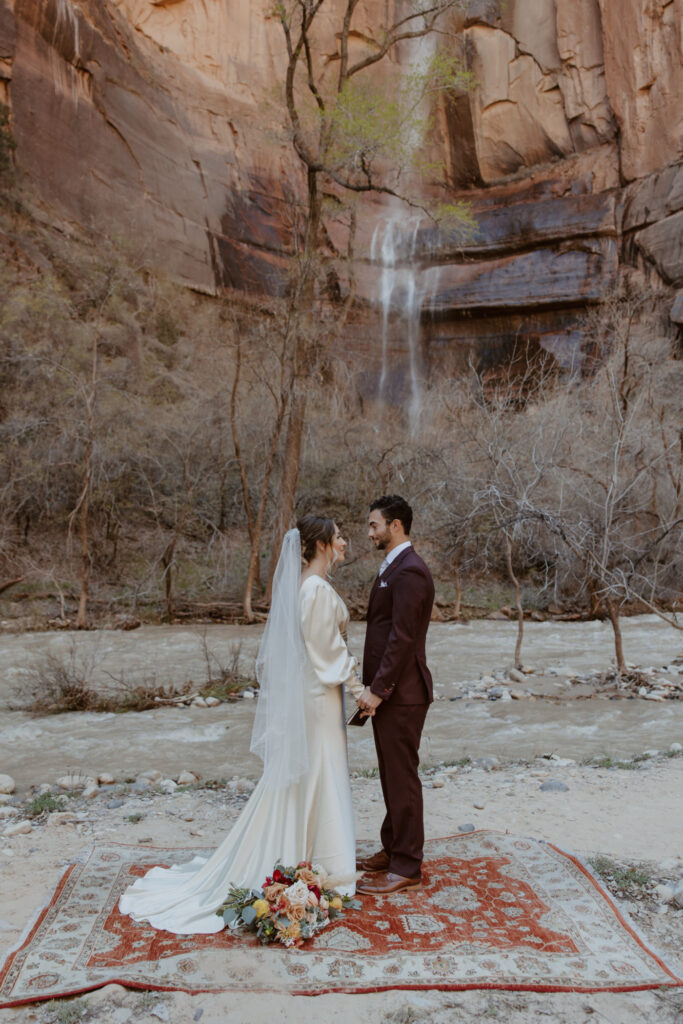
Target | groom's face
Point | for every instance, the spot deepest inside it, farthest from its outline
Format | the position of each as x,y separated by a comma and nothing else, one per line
379,530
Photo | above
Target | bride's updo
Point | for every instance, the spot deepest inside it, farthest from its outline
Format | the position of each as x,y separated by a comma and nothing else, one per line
312,529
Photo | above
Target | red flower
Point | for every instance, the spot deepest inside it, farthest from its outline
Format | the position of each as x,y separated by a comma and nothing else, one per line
316,890
279,877
268,881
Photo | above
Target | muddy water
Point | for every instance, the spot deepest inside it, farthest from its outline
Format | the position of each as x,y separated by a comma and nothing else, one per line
215,742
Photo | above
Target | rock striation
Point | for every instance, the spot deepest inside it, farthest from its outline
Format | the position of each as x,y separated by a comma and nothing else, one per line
156,120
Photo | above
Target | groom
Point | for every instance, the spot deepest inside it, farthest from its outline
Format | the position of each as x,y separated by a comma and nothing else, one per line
398,691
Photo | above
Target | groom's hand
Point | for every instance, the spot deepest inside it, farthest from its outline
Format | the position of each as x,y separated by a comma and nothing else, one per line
369,701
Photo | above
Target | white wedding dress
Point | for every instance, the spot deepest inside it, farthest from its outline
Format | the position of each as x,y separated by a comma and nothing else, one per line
311,819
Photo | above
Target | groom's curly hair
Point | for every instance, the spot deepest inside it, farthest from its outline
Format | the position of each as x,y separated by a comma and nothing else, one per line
393,506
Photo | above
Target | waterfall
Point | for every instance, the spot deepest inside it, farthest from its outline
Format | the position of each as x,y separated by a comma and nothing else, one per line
403,286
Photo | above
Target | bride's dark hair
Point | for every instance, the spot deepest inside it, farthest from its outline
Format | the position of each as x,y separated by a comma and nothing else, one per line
312,529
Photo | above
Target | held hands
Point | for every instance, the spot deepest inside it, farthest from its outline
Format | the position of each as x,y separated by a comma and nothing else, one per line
368,702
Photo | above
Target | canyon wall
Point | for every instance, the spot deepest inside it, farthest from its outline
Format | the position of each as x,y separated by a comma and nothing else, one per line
158,121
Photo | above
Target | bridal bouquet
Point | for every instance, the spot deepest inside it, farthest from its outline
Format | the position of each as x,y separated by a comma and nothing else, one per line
292,906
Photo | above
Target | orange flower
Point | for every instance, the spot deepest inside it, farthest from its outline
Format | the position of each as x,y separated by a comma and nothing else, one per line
306,875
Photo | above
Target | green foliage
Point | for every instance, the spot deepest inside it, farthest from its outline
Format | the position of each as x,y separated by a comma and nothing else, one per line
636,876
66,1011
44,804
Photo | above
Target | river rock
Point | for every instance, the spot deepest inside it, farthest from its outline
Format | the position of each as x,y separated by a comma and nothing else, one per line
6,784
468,827
212,702
187,779
90,792
8,812
487,763
438,784
676,748
152,776
517,676
18,828
168,786
248,695
113,804
553,786
677,897
59,818
105,779
199,702
75,781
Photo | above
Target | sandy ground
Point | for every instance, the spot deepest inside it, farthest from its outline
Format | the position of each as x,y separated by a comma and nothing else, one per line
629,815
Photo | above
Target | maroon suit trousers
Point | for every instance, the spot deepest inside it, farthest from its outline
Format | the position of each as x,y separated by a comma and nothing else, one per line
397,729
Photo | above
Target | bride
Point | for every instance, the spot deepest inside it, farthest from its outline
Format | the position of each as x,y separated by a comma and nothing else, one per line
301,807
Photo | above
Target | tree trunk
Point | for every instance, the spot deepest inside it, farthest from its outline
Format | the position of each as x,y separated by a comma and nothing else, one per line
613,613
518,603
167,560
84,504
290,476
458,593
257,528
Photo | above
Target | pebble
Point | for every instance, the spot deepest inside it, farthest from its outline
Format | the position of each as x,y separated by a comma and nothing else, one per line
168,785
6,784
247,695
8,812
43,788
516,676
486,762
105,779
468,827
62,818
91,791
160,1011
553,786
479,807
665,892
212,702
676,748
152,775
113,804
677,893
5,798
199,702
505,695
18,828
75,781
438,784
187,779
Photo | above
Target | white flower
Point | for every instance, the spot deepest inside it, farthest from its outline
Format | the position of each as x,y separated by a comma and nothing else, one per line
297,894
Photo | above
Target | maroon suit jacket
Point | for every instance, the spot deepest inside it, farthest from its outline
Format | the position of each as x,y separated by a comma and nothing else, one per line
399,612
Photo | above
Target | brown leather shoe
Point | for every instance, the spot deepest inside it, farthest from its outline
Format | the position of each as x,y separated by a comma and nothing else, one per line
377,862
388,883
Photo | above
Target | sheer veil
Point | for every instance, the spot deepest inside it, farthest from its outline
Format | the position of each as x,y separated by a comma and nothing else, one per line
279,733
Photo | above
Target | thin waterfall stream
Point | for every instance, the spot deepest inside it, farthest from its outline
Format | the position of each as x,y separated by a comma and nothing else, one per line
404,286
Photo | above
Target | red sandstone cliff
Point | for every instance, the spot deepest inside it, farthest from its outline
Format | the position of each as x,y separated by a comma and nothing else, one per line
155,117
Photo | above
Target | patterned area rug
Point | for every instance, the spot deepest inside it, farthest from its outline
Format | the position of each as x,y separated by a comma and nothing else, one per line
496,911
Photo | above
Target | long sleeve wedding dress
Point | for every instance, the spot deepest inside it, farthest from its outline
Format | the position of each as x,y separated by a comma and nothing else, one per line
311,819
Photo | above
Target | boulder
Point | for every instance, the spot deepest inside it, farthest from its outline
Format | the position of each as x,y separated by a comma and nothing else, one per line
7,784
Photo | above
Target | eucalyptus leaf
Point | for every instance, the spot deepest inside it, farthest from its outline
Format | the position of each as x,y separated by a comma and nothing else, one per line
230,915
248,915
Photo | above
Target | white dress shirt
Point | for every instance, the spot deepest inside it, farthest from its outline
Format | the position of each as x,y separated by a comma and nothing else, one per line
394,553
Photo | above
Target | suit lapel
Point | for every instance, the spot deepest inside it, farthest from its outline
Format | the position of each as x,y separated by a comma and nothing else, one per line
385,576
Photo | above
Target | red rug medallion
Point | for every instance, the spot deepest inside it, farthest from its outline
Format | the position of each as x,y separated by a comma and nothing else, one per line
495,912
